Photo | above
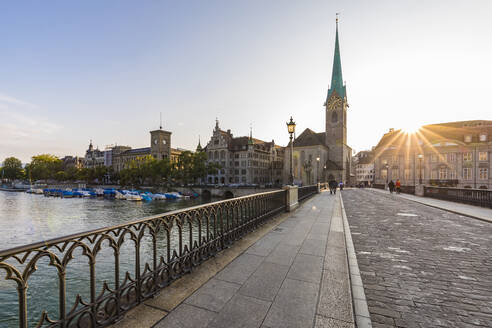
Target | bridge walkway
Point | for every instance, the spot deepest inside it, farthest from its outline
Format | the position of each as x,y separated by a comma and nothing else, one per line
296,275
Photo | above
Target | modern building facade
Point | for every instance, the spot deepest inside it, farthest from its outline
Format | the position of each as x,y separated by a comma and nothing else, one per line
325,156
243,160
455,154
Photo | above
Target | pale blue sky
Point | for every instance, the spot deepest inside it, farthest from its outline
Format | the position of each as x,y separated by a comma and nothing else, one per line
71,71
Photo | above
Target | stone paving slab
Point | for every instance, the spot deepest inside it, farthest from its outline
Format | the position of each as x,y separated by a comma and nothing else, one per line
213,295
242,311
294,306
421,266
306,268
280,281
187,316
240,269
265,282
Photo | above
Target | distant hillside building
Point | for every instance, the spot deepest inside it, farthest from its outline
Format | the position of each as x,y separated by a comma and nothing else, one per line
243,160
330,146
455,154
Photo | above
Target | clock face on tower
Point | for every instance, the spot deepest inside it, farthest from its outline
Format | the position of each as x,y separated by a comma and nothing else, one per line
163,142
155,141
334,103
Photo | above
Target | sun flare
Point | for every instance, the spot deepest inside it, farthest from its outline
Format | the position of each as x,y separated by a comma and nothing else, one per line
410,127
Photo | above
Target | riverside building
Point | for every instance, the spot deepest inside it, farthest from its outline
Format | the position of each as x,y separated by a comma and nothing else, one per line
455,154
243,160
118,157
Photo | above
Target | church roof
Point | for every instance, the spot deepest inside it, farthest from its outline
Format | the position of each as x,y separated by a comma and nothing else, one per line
309,138
144,150
336,73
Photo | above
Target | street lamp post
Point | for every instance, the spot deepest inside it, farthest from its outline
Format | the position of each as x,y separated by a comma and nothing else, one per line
387,172
420,156
317,169
291,128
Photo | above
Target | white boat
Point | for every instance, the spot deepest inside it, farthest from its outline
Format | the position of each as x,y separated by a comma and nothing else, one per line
133,197
159,196
119,195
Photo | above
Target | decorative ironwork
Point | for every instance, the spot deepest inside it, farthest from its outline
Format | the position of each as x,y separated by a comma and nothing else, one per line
305,192
160,249
478,197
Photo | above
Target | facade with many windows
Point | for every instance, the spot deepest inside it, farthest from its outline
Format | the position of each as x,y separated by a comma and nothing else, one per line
364,168
455,154
244,160
118,157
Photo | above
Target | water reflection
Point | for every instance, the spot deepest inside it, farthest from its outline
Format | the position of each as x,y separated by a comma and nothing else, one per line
29,218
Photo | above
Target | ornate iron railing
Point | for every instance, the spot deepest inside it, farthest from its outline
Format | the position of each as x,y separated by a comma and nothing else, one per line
153,251
305,192
478,197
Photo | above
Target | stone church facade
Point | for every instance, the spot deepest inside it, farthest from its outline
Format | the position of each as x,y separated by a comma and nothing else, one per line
326,155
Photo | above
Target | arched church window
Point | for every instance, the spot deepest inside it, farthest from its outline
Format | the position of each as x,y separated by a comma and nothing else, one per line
334,117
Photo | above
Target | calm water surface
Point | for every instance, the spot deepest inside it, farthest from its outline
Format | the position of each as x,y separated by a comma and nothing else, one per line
27,218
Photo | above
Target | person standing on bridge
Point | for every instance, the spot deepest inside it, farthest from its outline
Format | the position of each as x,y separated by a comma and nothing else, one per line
398,186
391,186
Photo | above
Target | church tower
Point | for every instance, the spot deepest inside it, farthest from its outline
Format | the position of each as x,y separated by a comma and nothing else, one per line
336,119
160,144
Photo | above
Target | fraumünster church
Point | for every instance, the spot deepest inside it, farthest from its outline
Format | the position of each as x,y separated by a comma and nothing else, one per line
325,156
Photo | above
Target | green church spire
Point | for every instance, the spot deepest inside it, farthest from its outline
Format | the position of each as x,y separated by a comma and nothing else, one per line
336,74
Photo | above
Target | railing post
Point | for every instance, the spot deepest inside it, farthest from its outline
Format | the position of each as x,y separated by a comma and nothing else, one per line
292,199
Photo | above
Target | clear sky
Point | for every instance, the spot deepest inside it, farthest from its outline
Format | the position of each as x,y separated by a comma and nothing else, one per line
71,71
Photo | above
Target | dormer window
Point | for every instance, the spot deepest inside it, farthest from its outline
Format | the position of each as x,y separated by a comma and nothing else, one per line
468,138
483,137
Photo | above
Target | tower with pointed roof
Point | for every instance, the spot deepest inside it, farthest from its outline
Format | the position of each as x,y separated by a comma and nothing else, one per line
336,119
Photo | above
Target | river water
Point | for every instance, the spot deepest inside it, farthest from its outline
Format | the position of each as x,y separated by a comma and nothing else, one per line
27,218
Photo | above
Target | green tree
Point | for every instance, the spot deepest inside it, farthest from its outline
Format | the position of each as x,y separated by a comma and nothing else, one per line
100,172
184,167
60,176
12,168
44,167
71,173
200,168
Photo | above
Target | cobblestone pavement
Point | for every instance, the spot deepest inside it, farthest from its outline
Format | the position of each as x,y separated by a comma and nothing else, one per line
421,266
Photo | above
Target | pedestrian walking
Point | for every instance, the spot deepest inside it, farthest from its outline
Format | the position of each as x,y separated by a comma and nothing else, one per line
333,186
398,186
391,186
341,185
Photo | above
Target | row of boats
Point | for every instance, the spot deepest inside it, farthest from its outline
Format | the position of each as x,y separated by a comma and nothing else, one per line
110,193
